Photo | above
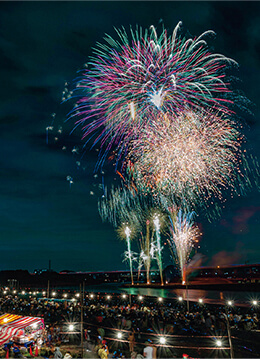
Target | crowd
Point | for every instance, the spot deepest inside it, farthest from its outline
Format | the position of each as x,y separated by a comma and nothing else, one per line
140,322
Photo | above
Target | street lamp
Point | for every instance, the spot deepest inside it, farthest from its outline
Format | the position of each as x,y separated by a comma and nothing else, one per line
254,302
180,299
219,343
200,300
140,297
71,327
119,335
160,299
230,303
162,340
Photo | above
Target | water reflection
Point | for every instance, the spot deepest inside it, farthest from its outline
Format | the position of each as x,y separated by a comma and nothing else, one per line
241,298
207,296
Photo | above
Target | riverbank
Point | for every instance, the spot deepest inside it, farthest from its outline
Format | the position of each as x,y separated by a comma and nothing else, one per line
202,285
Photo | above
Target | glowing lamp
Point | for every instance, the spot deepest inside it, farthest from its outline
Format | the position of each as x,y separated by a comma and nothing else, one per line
162,340
71,327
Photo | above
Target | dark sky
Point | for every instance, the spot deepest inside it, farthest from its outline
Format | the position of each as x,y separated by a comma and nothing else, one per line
43,45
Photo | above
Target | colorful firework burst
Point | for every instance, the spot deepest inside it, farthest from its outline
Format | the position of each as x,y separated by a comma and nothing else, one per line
130,79
194,156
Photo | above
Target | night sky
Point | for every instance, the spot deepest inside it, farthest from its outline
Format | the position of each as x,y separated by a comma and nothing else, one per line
43,45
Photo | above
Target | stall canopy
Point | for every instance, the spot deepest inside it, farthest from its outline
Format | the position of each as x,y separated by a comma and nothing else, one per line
8,318
10,325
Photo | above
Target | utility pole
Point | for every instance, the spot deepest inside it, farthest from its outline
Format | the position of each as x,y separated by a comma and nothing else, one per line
48,289
185,281
82,290
229,335
187,296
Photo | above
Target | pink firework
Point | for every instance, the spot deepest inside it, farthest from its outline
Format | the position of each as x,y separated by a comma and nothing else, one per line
131,79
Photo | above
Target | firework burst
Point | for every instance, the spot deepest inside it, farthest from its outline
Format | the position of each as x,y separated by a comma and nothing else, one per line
194,156
129,79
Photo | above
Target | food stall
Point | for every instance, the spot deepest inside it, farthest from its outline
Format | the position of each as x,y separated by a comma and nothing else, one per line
20,330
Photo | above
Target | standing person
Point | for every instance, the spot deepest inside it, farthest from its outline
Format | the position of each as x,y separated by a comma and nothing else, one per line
103,352
148,351
131,339
57,353
208,323
154,351
67,356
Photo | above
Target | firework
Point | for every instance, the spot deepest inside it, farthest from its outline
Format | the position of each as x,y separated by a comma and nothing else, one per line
183,237
156,222
129,252
130,79
141,214
147,251
194,156
161,107
123,204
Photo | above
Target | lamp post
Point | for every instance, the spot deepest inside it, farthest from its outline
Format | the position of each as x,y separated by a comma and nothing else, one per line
82,290
229,332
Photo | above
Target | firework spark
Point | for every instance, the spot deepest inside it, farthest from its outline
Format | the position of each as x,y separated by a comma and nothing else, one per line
124,205
156,222
183,237
129,252
146,255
